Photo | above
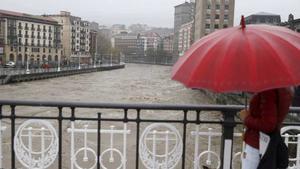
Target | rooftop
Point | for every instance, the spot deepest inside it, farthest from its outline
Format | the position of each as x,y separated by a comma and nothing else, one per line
265,14
24,16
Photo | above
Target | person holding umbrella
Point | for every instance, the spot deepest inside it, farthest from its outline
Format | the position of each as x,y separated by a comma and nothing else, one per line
260,59
266,113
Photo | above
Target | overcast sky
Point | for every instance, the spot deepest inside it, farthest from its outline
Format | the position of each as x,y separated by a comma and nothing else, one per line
157,13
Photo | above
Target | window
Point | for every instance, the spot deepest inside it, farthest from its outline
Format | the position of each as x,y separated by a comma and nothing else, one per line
49,50
207,26
227,7
225,26
207,16
11,49
217,6
225,16
20,49
217,16
26,49
208,6
20,24
216,26
44,50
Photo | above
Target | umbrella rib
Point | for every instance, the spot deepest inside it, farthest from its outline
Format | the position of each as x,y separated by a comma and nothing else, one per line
215,42
275,54
223,59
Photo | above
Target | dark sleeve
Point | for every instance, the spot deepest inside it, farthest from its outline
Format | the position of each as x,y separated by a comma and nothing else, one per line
268,120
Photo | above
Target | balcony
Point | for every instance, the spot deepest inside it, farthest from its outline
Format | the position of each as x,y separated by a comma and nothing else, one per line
26,28
44,37
26,36
50,38
20,35
20,27
129,134
32,28
44,30
39,37
38,29
32,36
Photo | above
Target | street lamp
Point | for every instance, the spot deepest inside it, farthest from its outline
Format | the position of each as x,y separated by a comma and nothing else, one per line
110,59
58,66
27,65
95,53
79,60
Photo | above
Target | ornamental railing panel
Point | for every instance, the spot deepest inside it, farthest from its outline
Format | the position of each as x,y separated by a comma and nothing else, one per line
120,136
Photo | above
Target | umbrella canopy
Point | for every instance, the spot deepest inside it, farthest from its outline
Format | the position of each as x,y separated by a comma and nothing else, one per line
248,58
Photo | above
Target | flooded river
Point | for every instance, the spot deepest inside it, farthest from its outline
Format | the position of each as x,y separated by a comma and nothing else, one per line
133,84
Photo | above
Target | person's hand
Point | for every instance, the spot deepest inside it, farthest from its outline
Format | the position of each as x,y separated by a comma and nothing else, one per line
243,114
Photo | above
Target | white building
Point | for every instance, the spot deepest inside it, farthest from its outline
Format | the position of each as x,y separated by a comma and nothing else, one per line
185,38
75,36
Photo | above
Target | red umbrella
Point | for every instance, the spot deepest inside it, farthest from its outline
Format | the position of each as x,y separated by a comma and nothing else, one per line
252,58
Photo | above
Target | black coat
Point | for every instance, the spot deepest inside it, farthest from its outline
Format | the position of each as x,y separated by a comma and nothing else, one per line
276,156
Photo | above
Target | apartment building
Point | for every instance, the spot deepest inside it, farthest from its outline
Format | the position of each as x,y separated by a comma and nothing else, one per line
293,24
185,39
29,38
167,43
75,37
184,13
211,15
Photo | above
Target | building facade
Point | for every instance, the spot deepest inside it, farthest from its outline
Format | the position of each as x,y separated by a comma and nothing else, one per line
263,18
28,38
129,43
293,24
151,41
167,44
75,37
185,37
184,13
213,15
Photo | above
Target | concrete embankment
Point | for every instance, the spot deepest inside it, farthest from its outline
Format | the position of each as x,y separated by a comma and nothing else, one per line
15,78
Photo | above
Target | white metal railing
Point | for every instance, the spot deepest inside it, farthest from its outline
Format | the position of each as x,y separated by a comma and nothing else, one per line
154,135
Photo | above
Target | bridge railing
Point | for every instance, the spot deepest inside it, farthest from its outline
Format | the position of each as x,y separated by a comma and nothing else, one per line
21,71
75,135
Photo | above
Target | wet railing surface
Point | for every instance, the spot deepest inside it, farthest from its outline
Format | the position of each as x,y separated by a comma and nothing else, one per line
108,135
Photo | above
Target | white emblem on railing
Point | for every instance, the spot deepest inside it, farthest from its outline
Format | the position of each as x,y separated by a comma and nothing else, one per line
2,128
36,144
113,152
160,146
292,140
208,152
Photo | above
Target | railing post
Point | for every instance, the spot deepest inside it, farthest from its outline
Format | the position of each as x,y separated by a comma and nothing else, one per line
184,138
98,141
1,155
227,139
60,118
13,118
138,121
